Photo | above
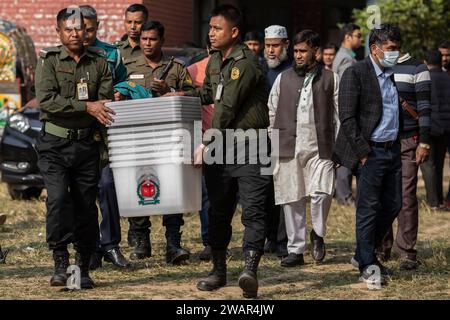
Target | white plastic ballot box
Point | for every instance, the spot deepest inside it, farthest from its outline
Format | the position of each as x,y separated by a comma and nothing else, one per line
151,143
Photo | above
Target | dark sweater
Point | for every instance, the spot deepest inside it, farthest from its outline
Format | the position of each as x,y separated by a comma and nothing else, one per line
414,85
440,102
272,74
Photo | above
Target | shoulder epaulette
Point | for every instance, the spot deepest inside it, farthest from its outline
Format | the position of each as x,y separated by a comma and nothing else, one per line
240,56
97,50
44,52
179,61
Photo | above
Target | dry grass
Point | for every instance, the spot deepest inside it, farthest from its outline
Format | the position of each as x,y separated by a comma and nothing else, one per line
29,265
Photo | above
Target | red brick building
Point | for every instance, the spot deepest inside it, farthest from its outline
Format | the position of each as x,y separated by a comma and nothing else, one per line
185,20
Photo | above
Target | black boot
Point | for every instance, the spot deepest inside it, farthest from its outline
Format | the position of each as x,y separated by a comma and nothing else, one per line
96,260
82,260
61,259
175,254
143,247
131,238
218,276
248,280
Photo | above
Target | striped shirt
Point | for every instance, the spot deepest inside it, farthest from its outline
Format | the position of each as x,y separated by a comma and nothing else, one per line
414,85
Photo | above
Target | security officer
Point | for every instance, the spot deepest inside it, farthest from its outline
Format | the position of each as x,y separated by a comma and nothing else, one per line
110,225
72,85
135,16
236,85
145,70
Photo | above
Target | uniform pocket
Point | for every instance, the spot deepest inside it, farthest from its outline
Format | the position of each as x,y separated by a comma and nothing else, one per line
67,88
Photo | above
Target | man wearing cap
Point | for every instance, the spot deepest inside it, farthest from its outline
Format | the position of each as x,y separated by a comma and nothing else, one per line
303,107
276,46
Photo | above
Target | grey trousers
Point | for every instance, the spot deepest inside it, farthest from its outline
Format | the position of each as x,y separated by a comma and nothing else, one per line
295,216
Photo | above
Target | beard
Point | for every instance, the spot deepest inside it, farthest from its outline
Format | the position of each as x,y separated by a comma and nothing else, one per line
275,62
302,70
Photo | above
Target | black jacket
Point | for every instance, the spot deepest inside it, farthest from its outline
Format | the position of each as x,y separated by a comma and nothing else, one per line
440,102
360,111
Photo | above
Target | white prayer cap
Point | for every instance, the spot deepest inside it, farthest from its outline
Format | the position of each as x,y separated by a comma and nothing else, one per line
275,32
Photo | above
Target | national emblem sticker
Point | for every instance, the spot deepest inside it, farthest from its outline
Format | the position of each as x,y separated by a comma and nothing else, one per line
148,190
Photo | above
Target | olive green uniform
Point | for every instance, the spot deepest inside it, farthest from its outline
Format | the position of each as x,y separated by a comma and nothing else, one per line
243,102
237,87
127,51
177,79
139,71
57,76
68,154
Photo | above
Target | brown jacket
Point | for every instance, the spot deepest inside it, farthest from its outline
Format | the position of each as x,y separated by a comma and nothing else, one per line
286,114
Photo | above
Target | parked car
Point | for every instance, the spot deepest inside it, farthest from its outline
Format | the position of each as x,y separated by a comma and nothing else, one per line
18,155
19,125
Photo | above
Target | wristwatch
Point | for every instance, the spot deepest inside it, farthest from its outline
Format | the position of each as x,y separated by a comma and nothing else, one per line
425,146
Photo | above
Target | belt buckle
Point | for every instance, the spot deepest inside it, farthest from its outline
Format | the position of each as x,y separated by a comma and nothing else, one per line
72,134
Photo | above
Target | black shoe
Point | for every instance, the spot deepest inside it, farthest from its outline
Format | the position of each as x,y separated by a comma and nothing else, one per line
175,254
131,238
217,278
270,246
3,255
143,247
61,259
248,280
82,260
408,264
205,255
293,260
116,258
2,218
386,273
318,250
96,260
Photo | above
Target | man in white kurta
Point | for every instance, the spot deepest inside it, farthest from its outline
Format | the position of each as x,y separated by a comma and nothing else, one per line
306,176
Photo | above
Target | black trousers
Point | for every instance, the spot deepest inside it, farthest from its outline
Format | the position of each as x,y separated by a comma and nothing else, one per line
110,226
71,172
378,201
223,182
433,169
143,224
276,225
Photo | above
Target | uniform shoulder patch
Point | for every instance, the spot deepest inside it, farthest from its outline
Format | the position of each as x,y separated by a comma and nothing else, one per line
235,73
46,51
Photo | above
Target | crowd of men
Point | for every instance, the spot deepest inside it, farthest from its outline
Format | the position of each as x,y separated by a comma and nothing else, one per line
333,116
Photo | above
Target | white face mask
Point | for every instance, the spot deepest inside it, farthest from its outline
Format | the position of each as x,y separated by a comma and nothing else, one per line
390,58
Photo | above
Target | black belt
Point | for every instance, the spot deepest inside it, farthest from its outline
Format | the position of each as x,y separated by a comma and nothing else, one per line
384,145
